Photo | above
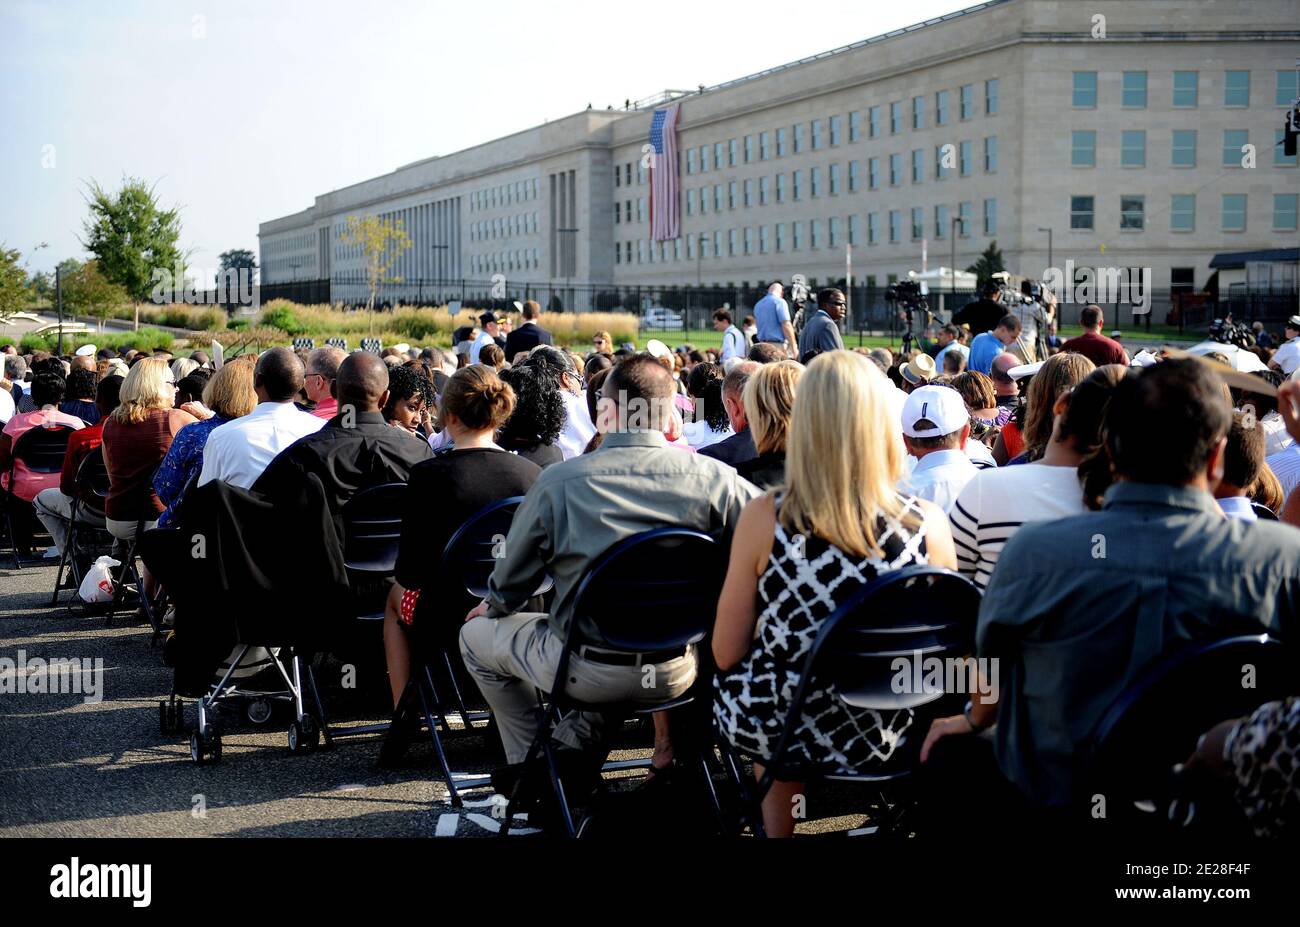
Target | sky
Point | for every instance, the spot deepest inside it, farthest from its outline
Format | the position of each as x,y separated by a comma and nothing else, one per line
239,112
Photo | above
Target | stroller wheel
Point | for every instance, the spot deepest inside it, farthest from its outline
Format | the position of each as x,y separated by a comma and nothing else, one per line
171,713
303,735
259,710
205,748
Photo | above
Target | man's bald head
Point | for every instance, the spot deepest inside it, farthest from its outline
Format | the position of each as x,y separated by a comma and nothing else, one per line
362,382
278,375
325,361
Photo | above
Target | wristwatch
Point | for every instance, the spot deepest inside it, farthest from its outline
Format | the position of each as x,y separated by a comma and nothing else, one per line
966,713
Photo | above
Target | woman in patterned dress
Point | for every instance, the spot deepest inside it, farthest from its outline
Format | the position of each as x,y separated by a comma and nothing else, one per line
837,523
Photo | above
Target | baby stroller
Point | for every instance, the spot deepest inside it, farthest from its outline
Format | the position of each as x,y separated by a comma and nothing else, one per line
256,585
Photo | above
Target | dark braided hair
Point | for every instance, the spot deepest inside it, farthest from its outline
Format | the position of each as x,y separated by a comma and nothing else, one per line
539,411
705,386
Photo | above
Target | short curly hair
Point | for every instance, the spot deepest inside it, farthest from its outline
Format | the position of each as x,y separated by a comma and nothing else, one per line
82,384
405,383
539,410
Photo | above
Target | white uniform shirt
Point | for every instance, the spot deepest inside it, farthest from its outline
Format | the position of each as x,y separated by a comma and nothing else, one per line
238,451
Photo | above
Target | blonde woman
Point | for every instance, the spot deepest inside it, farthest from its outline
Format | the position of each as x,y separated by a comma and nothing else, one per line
769,400
602,343
836,524
230,395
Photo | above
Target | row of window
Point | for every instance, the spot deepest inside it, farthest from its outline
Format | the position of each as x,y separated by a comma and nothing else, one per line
503,227
505,194
1182,148
1182,212
303,242
501,261
288,266
1185,92
831,232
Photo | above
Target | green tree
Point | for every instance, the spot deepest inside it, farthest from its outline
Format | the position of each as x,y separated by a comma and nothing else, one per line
989,263
87,291
13,281
236,259
132,238
382,242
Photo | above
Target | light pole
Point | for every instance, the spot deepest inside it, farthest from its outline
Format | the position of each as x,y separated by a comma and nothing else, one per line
1049,247
952,271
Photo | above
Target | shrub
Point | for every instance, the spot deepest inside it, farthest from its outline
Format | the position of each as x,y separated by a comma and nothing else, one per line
278,314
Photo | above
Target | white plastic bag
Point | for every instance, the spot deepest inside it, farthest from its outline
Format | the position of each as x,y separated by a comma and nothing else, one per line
97,584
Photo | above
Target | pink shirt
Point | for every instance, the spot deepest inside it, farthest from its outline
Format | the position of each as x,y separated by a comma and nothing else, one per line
26,483
327,408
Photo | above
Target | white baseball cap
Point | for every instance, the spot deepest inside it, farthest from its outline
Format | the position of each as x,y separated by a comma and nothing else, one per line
87,350
657,348
933,411
1020,371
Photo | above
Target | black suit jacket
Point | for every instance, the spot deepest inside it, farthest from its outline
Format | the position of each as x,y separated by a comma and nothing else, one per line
734,450
525,338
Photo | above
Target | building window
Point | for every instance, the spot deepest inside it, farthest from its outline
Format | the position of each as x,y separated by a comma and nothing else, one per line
1234,212
918,112
991,97
749,192
1134,90
833,231
895,117
855,126
731,152
990,217
895,169
964,219
780,143
941,108
1186,89
1133,148
1233,141
918,164
991,154
967,98
940,222
873,173
797,191
1284,212
835,130
780,188
1182,212
855,230
780,236
1287,89
814,233
796,235
815,181
798,138
816,135
833,178
1081,212
731,242
717,197
965,155
1280,157
941,171
704,158
1083,148
731,194
762,191
749,149
1084,93
918,223
704,200
762,146
1132,212
895,225
873,228
873,122
1236,88
749,240
855,180
717,156
1183,153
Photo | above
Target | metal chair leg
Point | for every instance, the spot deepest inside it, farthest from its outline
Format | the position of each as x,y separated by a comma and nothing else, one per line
64,558
439,753
543,734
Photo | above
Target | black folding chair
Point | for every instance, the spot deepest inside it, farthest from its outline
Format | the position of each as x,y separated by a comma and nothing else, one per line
1263,512
130,578
469,558
654,591
42,450
917,613
91,483
1155,723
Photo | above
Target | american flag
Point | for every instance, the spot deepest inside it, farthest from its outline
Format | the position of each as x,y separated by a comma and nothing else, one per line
665,209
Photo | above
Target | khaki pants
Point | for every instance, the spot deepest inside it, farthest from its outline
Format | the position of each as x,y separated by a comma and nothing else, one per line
54,509
510,657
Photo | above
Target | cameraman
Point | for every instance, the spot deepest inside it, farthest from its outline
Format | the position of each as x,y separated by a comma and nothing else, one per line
1031,345
984,313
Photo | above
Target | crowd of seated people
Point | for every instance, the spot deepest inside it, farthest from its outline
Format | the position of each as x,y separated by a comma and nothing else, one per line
818,478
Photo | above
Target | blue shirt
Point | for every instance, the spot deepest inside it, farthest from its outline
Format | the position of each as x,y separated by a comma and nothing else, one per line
184,460
769,313
84,409
1077,607
983,349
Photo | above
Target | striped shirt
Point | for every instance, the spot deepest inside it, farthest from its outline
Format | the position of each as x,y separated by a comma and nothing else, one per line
1286,467
993,506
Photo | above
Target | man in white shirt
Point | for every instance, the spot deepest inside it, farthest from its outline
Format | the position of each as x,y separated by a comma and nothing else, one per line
949,339
936,427
1287,357
487,335
733,339
238,451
